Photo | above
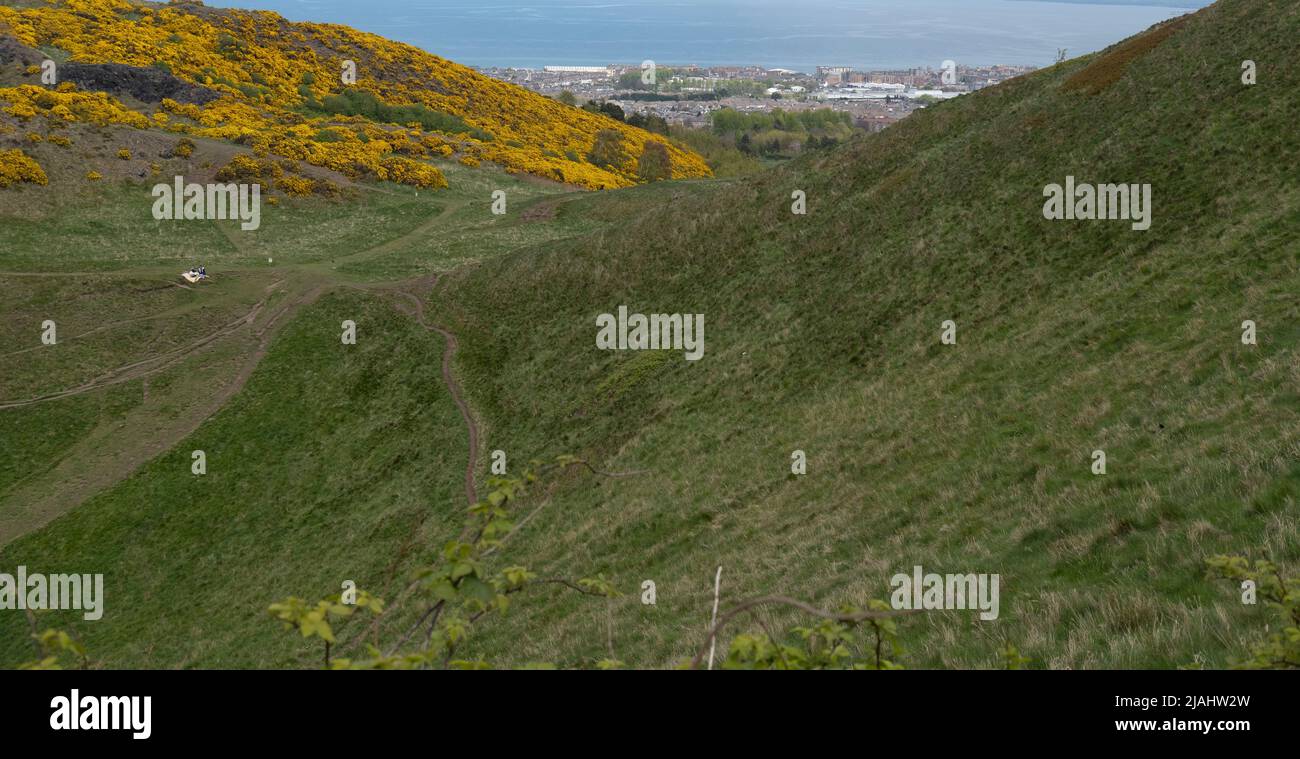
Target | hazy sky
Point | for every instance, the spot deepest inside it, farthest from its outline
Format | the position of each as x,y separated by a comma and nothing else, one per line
798,34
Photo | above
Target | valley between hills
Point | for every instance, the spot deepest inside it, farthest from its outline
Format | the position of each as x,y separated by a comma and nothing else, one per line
473,234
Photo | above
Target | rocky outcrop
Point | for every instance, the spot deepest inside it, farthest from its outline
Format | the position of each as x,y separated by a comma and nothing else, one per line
12,50
146,84
149,85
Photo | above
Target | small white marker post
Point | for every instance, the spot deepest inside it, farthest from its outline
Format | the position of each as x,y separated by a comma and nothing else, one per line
713,643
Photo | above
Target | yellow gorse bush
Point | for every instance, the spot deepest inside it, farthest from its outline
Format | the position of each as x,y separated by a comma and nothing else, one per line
267,69
27,102
17,167
291,185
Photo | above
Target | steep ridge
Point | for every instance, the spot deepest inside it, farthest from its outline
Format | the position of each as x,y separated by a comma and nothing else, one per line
823,335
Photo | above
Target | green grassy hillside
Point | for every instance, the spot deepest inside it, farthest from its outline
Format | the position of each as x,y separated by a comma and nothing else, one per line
96,432
320,471
823,334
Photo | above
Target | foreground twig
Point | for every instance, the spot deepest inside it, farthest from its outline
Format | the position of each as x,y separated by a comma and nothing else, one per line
807,608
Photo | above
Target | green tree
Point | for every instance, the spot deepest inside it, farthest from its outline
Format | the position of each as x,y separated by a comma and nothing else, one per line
654,164
650,122
608,149
567,98
613,111
631,80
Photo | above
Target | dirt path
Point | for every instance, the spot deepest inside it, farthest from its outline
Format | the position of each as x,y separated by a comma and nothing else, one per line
104,458
415,295
110,453
101,460
145,367
420,232
101,328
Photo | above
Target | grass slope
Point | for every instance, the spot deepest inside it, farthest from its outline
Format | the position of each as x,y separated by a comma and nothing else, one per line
326,468
823,335
112,313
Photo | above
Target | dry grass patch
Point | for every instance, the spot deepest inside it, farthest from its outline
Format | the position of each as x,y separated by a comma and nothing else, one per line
1110,66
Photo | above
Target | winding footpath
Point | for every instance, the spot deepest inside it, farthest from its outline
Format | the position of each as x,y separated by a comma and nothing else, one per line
424,285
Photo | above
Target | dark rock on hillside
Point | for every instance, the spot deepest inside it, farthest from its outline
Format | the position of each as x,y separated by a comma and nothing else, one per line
12,50
149,85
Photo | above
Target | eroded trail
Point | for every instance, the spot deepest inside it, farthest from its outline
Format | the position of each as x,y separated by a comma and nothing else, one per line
144,367
113,452
414,294
412,236
110,453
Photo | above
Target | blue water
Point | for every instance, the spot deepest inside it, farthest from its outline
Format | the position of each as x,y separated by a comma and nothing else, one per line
793,34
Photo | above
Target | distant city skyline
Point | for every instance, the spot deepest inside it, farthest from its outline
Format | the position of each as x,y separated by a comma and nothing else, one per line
867,34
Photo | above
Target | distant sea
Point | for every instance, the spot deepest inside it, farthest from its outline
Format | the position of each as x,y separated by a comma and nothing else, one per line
792,34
